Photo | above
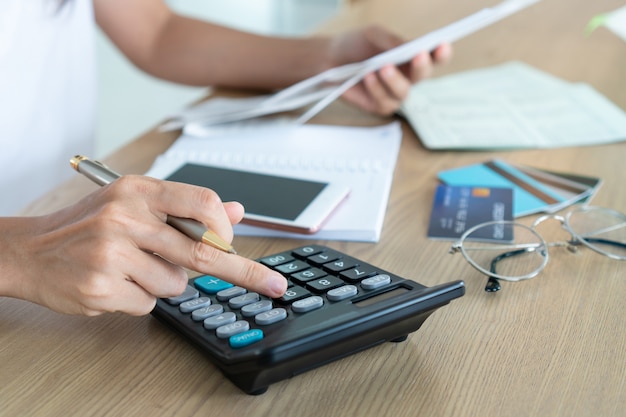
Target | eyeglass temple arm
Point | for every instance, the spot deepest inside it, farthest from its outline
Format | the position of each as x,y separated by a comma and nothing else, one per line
493,284
599,240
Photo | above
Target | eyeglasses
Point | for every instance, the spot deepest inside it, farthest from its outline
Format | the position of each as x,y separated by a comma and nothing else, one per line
509,251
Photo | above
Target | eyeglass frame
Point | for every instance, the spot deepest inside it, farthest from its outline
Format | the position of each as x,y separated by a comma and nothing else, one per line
493,284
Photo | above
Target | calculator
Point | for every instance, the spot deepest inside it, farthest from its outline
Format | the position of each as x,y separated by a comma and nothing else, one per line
335,305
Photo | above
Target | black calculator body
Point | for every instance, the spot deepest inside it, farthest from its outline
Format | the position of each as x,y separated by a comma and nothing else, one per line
335,305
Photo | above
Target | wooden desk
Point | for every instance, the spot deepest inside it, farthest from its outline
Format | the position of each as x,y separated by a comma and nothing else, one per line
554,345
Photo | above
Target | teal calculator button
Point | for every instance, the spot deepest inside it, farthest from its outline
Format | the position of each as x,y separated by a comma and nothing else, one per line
246,338
211,285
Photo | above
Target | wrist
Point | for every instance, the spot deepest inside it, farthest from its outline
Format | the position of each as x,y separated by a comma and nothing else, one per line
16,257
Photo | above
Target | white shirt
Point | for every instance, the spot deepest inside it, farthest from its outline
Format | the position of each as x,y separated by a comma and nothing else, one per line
47,95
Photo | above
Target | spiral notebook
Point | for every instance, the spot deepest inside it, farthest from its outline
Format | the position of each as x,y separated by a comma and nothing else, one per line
363,158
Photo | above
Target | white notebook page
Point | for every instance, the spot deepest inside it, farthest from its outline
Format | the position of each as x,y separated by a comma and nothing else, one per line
363,158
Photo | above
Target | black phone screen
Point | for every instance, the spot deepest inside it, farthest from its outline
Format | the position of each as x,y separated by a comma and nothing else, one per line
261,194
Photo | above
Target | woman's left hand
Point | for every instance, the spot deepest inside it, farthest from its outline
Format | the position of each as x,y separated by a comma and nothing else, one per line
382,92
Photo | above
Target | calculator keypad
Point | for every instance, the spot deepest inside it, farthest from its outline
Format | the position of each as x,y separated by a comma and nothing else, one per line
317,276
335,305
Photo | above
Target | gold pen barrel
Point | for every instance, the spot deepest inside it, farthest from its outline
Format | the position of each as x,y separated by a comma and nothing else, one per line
199,232
103,175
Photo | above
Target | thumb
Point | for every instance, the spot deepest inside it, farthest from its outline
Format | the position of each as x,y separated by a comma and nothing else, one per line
234,211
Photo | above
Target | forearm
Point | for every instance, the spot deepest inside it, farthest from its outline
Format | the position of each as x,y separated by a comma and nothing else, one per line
195,52
198,53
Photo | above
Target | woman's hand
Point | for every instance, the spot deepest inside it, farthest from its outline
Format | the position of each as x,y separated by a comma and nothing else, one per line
383,91
113,251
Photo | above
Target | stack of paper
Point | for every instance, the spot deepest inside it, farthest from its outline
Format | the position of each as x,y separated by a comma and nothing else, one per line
510,106
325,87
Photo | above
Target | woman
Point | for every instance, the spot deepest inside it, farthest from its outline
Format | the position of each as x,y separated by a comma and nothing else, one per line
98,255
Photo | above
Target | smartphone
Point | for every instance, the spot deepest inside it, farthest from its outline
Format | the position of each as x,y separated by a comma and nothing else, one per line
277,202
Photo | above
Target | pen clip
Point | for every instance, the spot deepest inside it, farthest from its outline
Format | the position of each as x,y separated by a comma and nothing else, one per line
94,170
77,159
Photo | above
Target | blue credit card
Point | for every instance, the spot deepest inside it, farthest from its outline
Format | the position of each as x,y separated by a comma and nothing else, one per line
458,208
529,195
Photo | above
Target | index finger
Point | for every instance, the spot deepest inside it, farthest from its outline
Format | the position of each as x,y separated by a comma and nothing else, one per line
191,202
237,270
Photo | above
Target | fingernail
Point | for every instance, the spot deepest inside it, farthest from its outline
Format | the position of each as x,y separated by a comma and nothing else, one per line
422,58
388,71
277,285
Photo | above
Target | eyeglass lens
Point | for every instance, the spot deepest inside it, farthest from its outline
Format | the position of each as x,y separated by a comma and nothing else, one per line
600,229
521,256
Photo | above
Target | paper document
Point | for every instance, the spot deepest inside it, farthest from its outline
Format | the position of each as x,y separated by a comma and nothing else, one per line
362,158
325,87
510,106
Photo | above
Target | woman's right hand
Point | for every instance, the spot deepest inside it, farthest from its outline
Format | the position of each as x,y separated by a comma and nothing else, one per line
113,251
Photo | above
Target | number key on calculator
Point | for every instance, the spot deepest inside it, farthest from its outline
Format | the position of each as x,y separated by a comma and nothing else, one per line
335,305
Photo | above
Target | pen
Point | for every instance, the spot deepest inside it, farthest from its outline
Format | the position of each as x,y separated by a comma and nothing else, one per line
103,175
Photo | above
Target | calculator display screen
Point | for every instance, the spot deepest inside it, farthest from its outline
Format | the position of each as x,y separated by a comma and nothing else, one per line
381,297
261,194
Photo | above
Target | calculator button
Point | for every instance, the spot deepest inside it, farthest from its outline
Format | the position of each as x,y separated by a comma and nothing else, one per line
191,305
323,258
229,293
276,260
242,300
270,317
308,275
216,321
342,293
376,281
292,267
324,284
189,294
292,294
246,338
211,285
228,330
306,251
358,273
307,304
206,312
253,309
340,265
